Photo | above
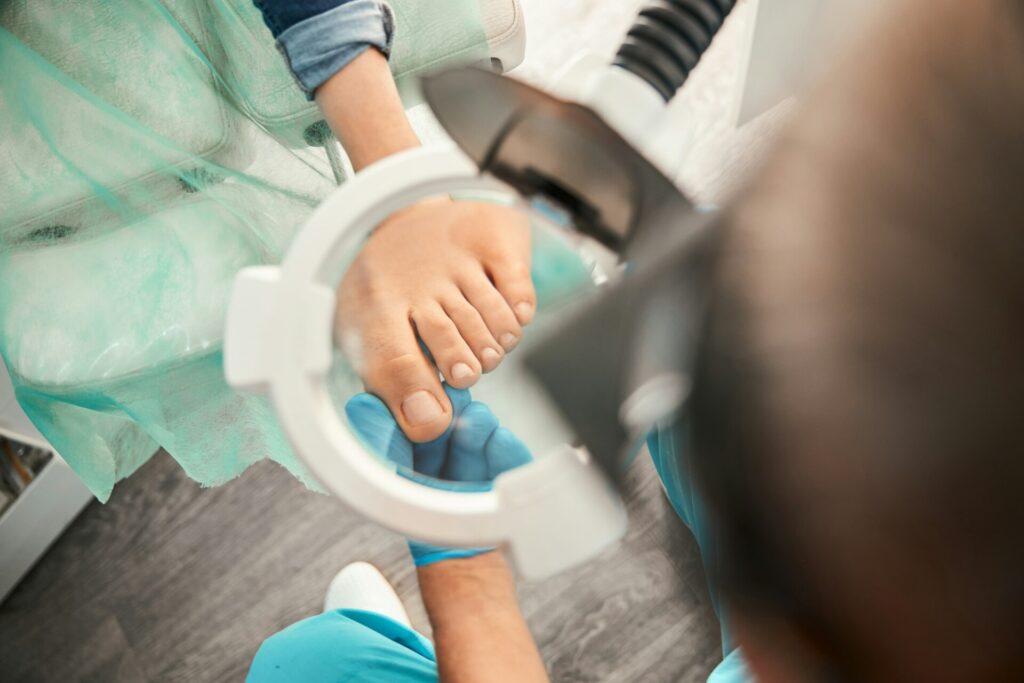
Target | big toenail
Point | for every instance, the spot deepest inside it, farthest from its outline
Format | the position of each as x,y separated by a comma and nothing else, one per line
421,408
523,310
461,371
508,340
490,355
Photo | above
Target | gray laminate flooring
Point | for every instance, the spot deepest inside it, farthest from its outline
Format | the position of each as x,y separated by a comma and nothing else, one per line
171,582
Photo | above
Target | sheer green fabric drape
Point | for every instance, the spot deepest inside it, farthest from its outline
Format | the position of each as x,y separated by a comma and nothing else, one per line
148,150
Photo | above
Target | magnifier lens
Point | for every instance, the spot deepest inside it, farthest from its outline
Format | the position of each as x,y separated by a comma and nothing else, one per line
427,371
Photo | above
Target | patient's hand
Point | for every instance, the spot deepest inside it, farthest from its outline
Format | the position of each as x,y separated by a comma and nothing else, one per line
455,275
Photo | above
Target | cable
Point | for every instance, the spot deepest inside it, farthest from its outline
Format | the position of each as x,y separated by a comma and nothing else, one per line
668,38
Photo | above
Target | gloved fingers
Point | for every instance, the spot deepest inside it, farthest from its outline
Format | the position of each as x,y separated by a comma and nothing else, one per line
460,399
505,451
429,458
466,459
374,425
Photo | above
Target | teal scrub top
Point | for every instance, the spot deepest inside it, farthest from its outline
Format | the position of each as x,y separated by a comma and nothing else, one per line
678,479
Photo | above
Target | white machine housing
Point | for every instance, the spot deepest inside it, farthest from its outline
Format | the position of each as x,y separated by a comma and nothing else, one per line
554,513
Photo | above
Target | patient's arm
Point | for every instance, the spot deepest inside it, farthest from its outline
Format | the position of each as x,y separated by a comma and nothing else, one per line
361,105
454,274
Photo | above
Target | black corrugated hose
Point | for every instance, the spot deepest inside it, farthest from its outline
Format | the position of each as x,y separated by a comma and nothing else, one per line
668,38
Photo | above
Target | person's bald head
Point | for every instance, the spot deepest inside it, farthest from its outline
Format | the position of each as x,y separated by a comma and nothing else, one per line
858,405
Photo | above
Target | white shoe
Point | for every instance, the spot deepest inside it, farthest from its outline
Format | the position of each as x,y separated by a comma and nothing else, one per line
360,585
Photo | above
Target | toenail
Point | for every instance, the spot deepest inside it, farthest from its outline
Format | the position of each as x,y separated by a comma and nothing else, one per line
461,371
523,310
508,340
490,355
421,408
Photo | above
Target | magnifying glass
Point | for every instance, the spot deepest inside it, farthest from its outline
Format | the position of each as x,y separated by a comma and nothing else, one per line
550,514
610,365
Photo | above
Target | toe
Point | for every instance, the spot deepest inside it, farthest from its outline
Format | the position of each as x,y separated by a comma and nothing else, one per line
451,353
396,370
494,310
473,330
512,279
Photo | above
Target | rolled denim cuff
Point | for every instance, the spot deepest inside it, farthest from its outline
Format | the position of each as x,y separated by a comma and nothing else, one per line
321,46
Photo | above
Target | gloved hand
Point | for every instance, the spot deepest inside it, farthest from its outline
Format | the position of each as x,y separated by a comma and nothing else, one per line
473,450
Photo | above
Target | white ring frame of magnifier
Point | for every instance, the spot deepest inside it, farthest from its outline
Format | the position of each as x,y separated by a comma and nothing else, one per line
549,515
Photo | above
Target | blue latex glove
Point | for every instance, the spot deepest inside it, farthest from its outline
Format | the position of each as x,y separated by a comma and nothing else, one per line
473,451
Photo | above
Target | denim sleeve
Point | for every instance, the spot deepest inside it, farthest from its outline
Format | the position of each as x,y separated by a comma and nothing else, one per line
318,38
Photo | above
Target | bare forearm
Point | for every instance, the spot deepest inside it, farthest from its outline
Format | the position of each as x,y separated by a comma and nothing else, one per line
361,105
479,631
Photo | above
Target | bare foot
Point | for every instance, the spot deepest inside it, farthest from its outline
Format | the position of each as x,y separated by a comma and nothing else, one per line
455,275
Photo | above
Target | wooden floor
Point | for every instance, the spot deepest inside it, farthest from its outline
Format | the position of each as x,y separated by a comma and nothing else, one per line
170,582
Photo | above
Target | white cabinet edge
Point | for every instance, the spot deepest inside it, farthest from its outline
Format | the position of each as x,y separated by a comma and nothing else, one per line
44,509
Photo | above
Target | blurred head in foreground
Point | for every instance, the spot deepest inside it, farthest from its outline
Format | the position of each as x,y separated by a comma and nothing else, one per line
859,402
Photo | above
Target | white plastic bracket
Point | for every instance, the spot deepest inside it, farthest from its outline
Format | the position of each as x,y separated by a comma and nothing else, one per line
551,514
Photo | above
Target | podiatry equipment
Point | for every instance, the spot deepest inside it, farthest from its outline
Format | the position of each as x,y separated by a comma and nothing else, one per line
588,164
